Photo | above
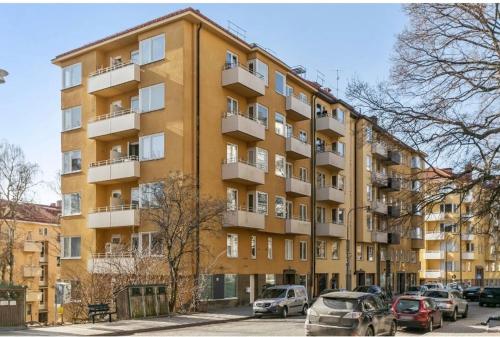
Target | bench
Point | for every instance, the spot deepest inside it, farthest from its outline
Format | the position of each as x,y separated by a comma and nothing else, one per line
101,309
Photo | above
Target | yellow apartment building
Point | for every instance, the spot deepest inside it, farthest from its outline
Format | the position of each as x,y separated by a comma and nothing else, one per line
36,259
455,251
181,93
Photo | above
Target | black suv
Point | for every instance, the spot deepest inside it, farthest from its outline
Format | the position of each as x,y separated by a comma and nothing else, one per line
375,290
489,296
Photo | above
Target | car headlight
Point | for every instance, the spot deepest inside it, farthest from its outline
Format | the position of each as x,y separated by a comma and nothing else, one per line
273,304
312,316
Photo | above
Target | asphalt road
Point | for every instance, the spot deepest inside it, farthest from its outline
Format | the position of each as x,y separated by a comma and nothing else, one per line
294,326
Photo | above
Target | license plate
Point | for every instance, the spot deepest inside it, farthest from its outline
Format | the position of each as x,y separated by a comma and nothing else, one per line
405,318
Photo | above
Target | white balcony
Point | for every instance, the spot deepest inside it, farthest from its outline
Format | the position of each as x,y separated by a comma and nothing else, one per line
330,194
330,159
111,263
243,127
440,216
115,216
297,149
468,236
298,226
114,80
433,274
32,271
298,188
115,125
240,80
379,150
330,126
114,170
379,179
331,229
434,255
379,207
32,247
243,172
380,237
243,218
33,296
468,256
297,110
433,236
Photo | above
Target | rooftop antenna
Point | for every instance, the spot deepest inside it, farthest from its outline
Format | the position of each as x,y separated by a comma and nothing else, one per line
236,30
300,70
320,77
3,73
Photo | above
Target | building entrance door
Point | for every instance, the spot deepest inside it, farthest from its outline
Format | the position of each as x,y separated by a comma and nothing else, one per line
479,277
401,283
218,284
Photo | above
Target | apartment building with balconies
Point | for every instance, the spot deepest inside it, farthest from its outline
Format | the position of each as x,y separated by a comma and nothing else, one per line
454,243
36,259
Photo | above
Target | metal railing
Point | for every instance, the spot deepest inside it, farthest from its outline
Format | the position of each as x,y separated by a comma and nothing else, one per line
110,68
114,208
114,161
297,138
298,218
305,180
121,112
321,149
298,97
328,114
244,209
332,221
242,114
335,187
232,65
243,161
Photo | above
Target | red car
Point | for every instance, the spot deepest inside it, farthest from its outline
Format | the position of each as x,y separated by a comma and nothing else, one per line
417,312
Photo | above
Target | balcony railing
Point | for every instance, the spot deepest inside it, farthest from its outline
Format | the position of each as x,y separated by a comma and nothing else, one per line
434,236
330,125
297,148
379,150
240,79
433,273
243,172
329,158
379,179
114,216
378,206
297,187
298,225
113,170
297,109
330,228
468,255
434,254
242,126
330,194
393,157
32,246
114,125
114,80
245,218
32,271
380,237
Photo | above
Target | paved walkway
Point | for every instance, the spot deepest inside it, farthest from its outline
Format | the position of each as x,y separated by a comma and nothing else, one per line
128,327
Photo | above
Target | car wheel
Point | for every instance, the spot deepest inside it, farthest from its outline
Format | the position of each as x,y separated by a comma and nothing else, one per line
394,328
304,309
369,332
257,316
454,315
441,322
284,312
430,325
464,315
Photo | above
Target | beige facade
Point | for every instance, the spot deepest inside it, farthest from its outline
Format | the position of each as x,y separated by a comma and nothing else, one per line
286,155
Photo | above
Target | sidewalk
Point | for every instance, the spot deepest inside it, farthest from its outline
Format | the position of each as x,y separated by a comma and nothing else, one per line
128,327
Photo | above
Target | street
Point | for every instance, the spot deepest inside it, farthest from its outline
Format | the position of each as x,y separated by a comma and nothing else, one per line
294,326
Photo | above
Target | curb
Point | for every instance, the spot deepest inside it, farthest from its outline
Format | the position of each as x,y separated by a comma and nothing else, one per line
172,327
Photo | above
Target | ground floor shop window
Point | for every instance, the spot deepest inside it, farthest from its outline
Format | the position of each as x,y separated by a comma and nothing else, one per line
219,286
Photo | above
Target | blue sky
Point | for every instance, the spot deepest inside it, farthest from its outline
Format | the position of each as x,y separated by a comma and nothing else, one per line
357,39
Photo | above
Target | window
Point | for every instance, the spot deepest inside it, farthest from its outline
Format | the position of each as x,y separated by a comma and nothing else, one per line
152,49
320,214
469,247
339,115
134,103
303,173
339,148
369,253
262,203
320,179
261,68
303,136
231,60
368,134
72,75
280,207
288,249
253,247
232,199
303,250
152,98
229,285
279,83
270,248
135,56
232,153
338,182
338,216
369,222
232,245
270,279
289,90
279,124
303,212
150,194
359,252
335,250
369,196
70,247
258,112
232,106
72,161
320,249
368,163
72,118
152,146
280,165
71,204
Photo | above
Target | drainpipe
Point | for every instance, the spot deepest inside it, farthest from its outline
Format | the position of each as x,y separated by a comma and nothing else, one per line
356,205
197,206
313,196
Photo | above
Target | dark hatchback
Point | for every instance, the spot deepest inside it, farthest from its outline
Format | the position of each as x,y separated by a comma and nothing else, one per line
472,293
489,296
375,290
350,314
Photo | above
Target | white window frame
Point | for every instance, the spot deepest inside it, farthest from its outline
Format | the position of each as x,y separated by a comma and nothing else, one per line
144,49
147,194
261,68
70,195
269,248
146,97
320,254
142,152
282,90
232,245
259,205
70,71
303,250
280,125
283,201
277,160
288,250
335,248
70,111
65,256
253,247
69,156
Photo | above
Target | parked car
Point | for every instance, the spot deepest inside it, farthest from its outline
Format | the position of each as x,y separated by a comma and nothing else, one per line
416,290
472,293
373,289
328,290
455,286
350,313
434,285
489,296
417,312
450,302
282,300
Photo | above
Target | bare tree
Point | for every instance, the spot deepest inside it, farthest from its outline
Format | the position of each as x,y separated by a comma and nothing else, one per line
17,177
171,209
442,98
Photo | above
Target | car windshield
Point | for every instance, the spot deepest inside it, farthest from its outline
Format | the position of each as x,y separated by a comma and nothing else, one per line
413,288
274,293
472,289
436,294
340,303
431,286
410,306
492,291
365,289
